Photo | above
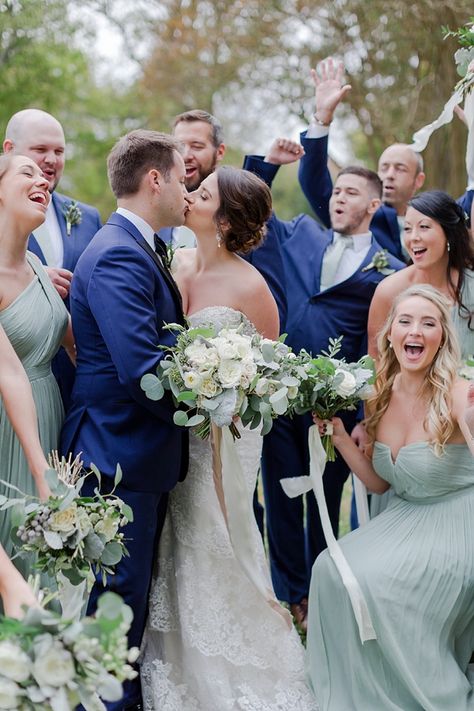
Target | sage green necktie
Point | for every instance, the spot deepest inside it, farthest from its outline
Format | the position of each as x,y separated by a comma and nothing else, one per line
332,257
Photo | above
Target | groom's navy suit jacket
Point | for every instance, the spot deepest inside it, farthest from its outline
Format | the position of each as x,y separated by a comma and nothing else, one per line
73,246
120,298
316,183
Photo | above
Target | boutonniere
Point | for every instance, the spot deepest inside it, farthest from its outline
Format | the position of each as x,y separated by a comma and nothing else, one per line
380,263
73,215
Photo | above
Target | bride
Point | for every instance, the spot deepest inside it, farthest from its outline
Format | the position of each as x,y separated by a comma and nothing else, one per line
213,641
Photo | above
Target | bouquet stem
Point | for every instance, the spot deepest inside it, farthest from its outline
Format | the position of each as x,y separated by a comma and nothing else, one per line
328,445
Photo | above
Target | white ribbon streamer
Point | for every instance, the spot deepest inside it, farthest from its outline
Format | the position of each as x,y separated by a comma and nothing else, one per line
421,137
295,486
239,517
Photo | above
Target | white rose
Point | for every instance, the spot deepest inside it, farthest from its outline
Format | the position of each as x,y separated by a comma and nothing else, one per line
64,521
348,385
229,373
55,667
208,387
192,380
248,368
9,694
107,527
14,662
244,346
225,349
261,387
196,353
83,521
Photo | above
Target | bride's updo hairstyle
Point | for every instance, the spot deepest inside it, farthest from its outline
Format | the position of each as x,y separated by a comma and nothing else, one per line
439,381
245,206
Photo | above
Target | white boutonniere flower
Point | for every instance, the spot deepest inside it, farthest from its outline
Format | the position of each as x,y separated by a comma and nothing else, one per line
73,215
380,263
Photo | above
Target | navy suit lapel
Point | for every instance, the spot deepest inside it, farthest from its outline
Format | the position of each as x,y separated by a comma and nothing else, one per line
68,240
120,221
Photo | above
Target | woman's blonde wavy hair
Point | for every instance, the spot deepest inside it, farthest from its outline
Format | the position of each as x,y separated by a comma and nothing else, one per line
438,386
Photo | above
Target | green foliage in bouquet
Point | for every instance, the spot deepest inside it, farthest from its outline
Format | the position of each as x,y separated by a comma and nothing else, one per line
333,385
51,664
216,377
464,57
70,534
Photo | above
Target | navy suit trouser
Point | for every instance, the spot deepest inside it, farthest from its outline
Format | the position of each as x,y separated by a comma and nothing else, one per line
294,546
133,574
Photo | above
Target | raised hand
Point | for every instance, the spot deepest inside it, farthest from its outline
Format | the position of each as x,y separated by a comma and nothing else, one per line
329,89
283,151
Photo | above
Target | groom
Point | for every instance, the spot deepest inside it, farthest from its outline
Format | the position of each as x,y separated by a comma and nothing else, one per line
122,294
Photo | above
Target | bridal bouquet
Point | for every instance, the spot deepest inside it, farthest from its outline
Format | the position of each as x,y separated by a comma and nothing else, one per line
333,385
72,535
464,56
218,376
51,664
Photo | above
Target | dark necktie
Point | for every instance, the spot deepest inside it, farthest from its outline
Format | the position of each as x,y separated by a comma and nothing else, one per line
160,249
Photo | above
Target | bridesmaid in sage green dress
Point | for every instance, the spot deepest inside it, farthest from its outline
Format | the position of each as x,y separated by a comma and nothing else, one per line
35,320
415,561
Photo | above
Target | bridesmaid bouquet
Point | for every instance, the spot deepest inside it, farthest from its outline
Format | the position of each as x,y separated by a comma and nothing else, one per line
333,385
216,377
52,664
72,535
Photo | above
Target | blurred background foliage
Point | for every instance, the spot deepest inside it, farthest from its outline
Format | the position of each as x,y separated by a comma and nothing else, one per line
246,61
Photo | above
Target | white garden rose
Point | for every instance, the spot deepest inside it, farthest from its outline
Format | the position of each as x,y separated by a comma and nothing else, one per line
192,379
9,694
55,667
244,346
229,373
208,387
261,387
225,349
107,527
14,662
348,385
197,354
64,521
83,521
249,369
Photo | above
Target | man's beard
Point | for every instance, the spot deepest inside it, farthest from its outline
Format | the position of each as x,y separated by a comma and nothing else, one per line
352,227
202,174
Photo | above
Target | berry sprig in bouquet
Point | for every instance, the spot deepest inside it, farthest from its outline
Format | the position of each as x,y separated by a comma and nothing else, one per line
71,535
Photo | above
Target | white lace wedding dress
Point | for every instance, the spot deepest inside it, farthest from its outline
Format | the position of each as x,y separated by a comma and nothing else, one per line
212,642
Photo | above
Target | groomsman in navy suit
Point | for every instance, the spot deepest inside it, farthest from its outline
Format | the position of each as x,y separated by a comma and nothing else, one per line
201,136
122,295
69,226
331,279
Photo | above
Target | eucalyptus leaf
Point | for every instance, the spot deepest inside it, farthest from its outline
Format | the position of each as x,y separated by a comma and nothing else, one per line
279,395
52,479
267,426
118,475
54,540
281,405
255,421
109,688
195,420
127,511
93,546
152,386
268,352
112,553
186,395
180,418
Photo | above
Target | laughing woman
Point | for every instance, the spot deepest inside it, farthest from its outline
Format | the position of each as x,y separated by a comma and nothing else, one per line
415,561
34,319
442,253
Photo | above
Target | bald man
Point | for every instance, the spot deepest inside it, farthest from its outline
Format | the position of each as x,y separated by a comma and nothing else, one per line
69,225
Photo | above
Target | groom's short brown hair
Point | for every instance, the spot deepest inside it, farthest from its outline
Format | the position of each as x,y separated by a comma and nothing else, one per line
135,154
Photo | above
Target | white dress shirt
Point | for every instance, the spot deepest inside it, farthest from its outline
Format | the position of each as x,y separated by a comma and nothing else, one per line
146,231
49,237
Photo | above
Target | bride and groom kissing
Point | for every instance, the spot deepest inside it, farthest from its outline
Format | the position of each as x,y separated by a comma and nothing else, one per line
211,640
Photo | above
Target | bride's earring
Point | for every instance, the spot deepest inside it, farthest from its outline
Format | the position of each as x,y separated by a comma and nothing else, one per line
219,236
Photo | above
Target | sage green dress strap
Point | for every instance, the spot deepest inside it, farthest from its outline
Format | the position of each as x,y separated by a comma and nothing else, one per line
35,323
